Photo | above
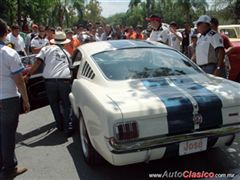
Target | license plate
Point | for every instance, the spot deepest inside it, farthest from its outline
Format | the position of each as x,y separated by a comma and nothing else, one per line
193,146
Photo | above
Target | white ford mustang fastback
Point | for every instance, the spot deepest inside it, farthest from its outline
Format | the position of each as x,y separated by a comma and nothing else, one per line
138,101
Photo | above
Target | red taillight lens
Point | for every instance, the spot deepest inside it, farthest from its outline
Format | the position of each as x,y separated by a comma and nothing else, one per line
126,131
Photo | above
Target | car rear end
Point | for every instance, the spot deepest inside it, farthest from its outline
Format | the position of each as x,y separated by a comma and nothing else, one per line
169,123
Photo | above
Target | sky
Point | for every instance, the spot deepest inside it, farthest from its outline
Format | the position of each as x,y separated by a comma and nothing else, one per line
111,7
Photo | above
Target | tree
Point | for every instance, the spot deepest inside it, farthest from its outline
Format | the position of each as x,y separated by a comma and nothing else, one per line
117,19
237,11
133,3
8,9
150,6
79,6
135,16
93,11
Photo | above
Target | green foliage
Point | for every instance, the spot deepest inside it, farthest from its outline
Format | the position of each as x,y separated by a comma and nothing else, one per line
179,10
92,11
48,12
68,12
119,18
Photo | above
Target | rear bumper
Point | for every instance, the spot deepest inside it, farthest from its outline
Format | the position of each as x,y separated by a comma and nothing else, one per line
162,141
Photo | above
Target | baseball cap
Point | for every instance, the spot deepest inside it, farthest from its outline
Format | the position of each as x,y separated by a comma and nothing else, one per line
139,26
153,18
173,23
68,30
203,19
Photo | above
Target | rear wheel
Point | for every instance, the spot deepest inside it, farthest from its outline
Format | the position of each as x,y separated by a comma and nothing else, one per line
90,154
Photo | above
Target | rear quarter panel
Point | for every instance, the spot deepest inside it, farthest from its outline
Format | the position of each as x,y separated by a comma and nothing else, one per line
99,113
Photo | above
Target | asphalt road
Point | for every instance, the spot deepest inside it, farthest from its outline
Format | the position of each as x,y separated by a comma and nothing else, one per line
49,155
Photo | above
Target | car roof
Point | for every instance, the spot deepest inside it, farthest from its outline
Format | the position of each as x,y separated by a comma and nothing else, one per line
101,46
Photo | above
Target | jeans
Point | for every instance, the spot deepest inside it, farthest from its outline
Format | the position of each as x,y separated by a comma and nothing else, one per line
210,68
9,113
58,94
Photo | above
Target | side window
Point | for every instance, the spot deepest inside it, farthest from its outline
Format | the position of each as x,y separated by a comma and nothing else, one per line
76,61
87,71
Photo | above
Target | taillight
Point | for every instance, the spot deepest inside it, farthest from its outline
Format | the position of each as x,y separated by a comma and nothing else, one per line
126,131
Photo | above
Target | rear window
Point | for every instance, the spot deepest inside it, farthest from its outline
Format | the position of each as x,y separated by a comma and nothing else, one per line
138,63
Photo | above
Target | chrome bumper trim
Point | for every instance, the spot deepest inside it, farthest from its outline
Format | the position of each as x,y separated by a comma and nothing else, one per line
161,141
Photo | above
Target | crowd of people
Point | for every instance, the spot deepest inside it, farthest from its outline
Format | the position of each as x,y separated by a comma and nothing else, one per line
188,41
53,48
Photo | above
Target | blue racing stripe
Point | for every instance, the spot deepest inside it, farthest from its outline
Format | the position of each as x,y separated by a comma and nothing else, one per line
179,107
210,105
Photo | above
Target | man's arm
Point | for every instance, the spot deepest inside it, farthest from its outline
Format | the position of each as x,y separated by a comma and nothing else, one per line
35,66
33,69
220,54
18,79
36,50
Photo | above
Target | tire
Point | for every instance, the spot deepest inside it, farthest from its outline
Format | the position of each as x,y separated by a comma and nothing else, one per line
75,123
90,155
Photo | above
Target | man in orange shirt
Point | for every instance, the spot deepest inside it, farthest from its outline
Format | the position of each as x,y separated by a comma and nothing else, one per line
131,34
139,34
70,47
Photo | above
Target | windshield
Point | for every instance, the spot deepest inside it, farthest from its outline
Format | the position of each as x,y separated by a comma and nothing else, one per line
138,63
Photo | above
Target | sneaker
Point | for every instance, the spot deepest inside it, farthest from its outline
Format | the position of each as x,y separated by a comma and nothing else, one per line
17,171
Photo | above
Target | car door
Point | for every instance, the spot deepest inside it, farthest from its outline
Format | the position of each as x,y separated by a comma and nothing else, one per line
35,86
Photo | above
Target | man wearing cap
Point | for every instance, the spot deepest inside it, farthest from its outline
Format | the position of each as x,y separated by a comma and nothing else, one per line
174,37
29,38
57,76
209,51
159,33
39,41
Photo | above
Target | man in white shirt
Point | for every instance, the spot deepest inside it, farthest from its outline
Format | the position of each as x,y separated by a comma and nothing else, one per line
174,38
39,41
29,38
11,86
57,76
17,40
159,32
209,50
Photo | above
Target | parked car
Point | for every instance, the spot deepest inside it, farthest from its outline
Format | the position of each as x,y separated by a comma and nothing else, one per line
138,101
234,59
35,85
233,32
